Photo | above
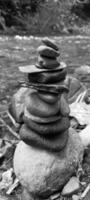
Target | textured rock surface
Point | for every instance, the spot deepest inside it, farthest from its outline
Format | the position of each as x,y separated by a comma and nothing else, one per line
42,172
71,187
47,52
50,143
75,197
48,63
50,43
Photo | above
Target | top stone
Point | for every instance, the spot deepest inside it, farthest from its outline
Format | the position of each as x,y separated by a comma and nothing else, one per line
50,43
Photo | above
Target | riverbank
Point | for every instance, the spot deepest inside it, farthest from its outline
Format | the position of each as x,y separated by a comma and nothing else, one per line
44,18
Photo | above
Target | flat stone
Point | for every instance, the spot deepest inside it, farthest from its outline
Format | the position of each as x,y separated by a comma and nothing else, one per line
48,77
50,43
47,52
71,187
53,143
41,172
48,129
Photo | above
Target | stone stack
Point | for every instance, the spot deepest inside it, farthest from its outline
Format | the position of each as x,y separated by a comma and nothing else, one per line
49,151
46,112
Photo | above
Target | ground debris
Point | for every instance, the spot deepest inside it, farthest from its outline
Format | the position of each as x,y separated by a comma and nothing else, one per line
86,194
9,128
8,183
71,187
13,186
7,179
55,196
7,149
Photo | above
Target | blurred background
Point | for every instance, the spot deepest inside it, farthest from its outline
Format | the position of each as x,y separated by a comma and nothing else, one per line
45,17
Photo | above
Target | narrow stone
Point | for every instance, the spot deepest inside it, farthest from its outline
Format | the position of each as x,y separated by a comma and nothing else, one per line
50,43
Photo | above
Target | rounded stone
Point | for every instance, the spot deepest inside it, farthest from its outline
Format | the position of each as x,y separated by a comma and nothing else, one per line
47,97
45,120
51,143
48,63
53,128
47,52
41,172
40,108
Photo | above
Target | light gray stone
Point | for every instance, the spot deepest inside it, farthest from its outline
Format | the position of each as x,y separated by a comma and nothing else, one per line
42,173
71,187
75,197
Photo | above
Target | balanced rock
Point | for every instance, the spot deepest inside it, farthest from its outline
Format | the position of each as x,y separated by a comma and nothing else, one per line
58,126
48,63
43,173
50,143
47,52
48,77
50,43
49,152
38,107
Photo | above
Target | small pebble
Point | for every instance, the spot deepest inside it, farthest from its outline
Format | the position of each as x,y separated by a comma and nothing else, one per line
71,187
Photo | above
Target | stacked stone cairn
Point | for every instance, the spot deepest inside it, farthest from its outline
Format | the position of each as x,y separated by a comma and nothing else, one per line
49,151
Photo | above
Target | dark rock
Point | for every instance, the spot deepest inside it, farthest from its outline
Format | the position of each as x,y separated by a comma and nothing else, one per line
38,107
48,63
52,143
53,128
49,98
47,52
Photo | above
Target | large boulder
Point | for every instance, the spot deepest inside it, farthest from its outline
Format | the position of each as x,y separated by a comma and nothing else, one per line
41,172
